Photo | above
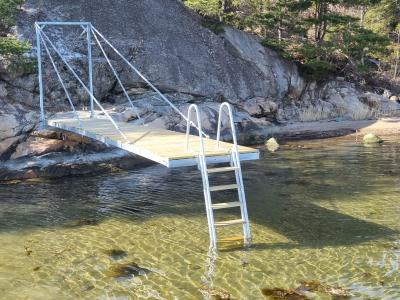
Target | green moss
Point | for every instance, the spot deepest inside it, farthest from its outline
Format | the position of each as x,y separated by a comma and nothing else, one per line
214,26
23,65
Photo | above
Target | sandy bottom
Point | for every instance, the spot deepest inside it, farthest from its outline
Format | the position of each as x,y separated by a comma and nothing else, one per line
326,212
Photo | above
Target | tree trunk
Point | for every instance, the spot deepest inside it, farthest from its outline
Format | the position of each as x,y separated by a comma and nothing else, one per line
396,66
363,11
280,31
321,9
224,4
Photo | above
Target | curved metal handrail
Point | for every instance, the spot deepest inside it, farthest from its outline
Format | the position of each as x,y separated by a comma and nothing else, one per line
203,169
198,127
230,115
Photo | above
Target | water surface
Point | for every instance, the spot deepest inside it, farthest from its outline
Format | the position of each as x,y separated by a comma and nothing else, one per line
325,210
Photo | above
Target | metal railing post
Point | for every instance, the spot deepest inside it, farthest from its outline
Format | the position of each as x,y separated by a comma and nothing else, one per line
90,66
44,36
40,76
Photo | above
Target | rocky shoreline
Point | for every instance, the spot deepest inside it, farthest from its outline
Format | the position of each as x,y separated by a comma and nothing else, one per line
61,155
189,64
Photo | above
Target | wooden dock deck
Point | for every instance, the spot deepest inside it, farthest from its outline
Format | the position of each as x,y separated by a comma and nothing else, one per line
160,145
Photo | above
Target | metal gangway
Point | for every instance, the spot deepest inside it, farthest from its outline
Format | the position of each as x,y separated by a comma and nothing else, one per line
169,148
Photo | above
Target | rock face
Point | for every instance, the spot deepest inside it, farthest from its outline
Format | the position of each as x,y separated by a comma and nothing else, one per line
167,42
186,61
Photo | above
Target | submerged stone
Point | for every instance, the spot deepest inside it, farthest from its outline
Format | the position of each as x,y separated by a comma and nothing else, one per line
115,253
28,251
272,145
216,294
81,222
371,138
127,270
312,286
285,294
307,290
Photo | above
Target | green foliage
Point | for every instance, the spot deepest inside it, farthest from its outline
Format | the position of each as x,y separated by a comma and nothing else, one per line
215,26
8,10
274,45
22,65
361,42
384,16
205,7
12,46
323,36
315,68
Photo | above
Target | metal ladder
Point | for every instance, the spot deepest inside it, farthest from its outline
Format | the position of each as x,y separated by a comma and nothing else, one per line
207,189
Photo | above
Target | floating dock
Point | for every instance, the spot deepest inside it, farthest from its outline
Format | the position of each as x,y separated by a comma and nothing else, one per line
163,146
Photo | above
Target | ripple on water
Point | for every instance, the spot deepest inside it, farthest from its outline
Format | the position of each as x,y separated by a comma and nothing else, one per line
317,213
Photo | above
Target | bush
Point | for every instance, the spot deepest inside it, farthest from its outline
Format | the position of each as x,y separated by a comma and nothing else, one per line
22,65
315,68
13,46
8,10
213,25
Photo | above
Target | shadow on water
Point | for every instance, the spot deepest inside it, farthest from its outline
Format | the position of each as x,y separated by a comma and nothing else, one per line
283,205
309,225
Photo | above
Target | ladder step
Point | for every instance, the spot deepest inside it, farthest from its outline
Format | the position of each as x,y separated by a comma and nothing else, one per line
229,223
218,170
223,187
225,205
231,240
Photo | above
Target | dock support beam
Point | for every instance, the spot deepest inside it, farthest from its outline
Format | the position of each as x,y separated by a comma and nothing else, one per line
40,77
90,65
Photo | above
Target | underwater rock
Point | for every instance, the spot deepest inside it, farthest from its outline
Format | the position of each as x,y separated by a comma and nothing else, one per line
307,288
127,270
337,291
371,138
28,251
272,145
285,294
36,268
115,253
216,294
81,222
316,286
311,286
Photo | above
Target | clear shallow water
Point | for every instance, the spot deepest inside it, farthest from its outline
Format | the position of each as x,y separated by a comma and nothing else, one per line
325,210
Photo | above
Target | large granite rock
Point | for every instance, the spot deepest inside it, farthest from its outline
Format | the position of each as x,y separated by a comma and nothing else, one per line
168,43
15,124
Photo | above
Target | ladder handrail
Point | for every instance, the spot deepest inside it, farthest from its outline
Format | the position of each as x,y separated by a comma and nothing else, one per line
238,171
230,115
198,127
203,169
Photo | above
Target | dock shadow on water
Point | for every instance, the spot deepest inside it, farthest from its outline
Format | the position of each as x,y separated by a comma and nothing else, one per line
310,225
